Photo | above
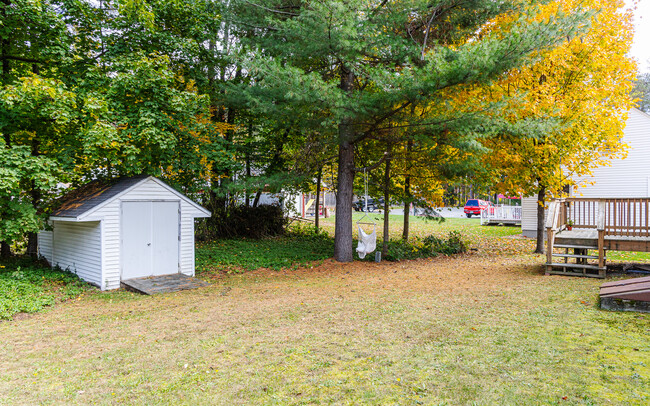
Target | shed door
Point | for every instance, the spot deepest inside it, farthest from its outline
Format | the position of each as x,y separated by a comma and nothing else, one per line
149,238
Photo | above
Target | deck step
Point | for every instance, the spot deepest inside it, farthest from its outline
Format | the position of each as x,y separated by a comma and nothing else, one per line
588,275
581,247
579,266
576,256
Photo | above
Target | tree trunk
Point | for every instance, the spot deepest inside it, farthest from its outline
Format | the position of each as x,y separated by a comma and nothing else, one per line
384,248
541,198
32,238
248,176
256,201
4,50
4,47
407,208
316,216
5,250
407,195
343,223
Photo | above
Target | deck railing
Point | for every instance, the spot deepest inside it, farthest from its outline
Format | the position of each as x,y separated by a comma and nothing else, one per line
501,213
618,216
611,217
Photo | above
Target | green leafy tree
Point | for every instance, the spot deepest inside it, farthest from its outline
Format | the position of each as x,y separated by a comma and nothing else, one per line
357,66
109,88
19,172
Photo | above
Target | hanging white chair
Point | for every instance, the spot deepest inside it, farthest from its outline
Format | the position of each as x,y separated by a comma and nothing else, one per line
367,242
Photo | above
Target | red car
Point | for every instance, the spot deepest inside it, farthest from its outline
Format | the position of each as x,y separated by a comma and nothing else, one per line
474,207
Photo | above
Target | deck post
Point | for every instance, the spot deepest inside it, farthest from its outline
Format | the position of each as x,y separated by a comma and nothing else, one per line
551,228
600,226
550,235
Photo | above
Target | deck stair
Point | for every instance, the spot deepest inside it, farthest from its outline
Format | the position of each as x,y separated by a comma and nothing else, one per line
575,260
579,252
579,231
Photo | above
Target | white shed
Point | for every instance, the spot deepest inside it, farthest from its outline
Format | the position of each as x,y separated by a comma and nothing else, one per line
629,177
134,227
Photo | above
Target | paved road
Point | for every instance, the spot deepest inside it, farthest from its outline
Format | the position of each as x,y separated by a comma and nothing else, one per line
446,212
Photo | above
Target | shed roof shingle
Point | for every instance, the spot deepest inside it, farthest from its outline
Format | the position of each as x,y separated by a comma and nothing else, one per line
92,194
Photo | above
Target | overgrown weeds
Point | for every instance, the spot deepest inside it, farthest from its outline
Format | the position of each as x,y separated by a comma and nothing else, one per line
430,246
28,287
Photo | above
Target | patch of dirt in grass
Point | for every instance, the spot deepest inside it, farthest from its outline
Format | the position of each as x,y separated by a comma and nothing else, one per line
454,330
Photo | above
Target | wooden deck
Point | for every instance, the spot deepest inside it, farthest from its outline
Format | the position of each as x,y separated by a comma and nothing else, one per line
581,231
163,284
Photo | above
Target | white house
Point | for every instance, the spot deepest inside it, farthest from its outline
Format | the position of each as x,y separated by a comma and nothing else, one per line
132,227
629,177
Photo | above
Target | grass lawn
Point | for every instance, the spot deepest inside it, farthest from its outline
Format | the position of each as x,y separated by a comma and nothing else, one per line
482,328
273,253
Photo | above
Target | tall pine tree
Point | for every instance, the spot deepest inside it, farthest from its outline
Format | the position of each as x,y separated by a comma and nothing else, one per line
359,65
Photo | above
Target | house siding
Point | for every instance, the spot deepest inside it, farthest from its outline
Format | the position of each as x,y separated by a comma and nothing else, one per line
77,247
629,177
529,216
624,177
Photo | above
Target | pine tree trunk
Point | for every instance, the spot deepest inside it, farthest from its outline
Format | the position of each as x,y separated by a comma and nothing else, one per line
384,248
343,223
541,198
316,216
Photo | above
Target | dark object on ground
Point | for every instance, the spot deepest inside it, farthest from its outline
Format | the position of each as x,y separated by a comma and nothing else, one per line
163,284
626,295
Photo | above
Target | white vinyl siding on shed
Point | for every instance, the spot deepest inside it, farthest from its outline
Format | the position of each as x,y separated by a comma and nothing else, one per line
110,213
77,248
45,245
89,242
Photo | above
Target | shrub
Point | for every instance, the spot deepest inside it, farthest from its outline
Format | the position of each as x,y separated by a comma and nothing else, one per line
244,222
27,287
430,246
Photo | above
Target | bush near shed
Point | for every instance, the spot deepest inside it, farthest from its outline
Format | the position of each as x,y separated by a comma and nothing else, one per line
243,222
27,287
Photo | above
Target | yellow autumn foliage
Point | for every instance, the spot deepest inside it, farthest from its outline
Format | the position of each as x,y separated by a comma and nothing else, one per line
584,84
